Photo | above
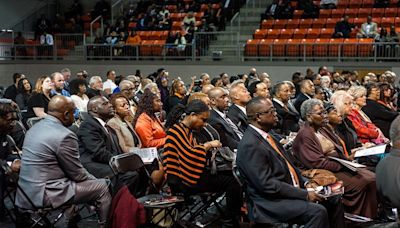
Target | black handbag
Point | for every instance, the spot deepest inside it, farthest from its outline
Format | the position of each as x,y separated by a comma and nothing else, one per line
222,158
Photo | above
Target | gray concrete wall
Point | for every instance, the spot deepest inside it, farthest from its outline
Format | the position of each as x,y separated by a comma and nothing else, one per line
278,71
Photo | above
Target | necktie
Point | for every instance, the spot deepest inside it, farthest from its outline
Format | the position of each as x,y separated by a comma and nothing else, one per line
234,127
292,171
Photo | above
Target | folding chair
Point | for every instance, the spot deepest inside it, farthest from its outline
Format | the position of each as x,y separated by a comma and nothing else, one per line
126,162
39,216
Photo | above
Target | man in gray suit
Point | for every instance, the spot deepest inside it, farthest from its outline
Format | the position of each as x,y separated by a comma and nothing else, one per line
51,173
388,169
369,29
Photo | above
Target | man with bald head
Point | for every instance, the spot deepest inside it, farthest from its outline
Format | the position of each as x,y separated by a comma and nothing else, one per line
275,188
50,148
229,133
97,143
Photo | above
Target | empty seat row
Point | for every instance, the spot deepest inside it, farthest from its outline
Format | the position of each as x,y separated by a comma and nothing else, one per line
342,4
359,12
311,33
310,47
324,22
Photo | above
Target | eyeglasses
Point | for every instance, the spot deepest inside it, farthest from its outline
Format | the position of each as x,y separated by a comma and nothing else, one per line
271,110
323,113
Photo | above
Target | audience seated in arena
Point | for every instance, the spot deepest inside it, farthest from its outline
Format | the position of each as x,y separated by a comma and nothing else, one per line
78,94
239,96
269,173
53,149
127,137
109,85
229,133
58,82
190,175
307,91
258,89
368,29
12,90
147,125
343,28
24,93
38,102
313,145
379,114
288,121
96,87
366,130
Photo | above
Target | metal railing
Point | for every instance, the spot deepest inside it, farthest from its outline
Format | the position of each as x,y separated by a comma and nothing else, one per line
211,46
101,25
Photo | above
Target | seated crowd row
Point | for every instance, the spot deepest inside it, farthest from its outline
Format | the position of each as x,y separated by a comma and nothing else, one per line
276,131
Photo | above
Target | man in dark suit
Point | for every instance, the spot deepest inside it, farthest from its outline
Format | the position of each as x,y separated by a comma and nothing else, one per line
12,91
274,185
97,143
388,169
229,133
239,98
307,91
51,173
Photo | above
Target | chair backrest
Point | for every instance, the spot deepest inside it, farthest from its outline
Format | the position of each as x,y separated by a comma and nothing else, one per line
123,163
32,121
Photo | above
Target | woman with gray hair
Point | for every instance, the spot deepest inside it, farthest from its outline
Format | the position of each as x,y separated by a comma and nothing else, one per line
343,103
313,147
366,130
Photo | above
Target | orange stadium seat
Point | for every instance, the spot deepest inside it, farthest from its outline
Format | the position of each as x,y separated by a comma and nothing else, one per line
377,12
293,23
391,12
364,12
334,47
321,47
319,23
313,33
286,34
365,47
354,4
267,24
349,47
158,47
177,25
175,16
198,15
358,21
351,12
273,34
306,23
145,47
326,32
393,3
293,47
279,24
337,13
251,48
325,13
171,8
215,6
386,22
342,4
306,48
144,35
297,14
264,47
299,33
203,7
278,49
260,33
132,25
397,22
331,22
86,18
368,3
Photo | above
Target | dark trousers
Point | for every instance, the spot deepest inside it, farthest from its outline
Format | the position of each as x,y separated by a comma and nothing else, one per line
221,182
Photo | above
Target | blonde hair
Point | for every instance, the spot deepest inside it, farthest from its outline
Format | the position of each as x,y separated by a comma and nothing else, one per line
39,84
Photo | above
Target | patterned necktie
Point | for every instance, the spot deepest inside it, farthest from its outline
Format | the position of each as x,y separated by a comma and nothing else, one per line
292,171
234,127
